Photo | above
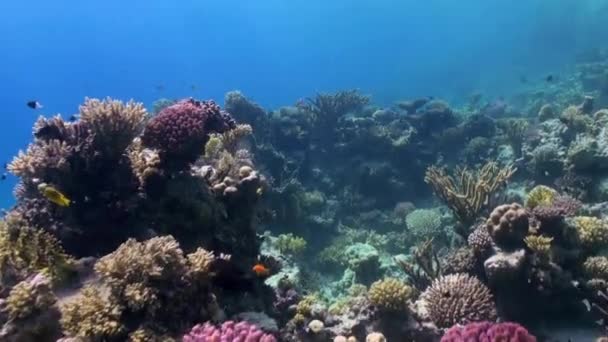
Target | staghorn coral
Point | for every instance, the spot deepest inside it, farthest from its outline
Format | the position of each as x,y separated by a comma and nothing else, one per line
540,195
227,331
390,294
90,315
113,123
41,160
488,332
458,299
508,225
592,232
466,193
180,131
596,267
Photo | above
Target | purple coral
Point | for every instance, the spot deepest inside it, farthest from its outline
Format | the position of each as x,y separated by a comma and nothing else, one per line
181,130
229,331
488,332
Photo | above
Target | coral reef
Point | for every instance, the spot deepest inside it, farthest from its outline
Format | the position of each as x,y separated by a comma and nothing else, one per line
487,331
508,225
228,331
390,294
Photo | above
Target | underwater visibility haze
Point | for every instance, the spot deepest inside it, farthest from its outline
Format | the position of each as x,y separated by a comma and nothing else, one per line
304,171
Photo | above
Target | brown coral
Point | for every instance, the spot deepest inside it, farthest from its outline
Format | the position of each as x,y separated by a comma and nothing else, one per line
458,299
479,239
596,267
461,260
508,225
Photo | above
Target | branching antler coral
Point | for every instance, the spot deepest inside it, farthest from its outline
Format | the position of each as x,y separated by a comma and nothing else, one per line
424,266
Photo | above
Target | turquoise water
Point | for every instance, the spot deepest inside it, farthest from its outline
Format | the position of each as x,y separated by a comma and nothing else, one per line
274,51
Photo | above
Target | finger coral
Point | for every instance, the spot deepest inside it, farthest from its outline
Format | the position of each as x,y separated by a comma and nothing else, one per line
228,331
390,294
596,267
30,297
508,225
488,332
181,130
458,299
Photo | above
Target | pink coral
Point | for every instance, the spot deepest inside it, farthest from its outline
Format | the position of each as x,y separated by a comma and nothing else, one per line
488,332
229,331
181,130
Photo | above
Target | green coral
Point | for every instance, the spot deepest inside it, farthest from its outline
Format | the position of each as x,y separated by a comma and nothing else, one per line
390,294
540,195
290,244
424,223
30,297
25,250
592,231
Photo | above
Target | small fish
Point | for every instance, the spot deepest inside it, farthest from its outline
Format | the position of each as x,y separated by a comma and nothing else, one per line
523,79
260,270
159,87
549,78
193,87
5,166
3,177
72,118
53,195
34,104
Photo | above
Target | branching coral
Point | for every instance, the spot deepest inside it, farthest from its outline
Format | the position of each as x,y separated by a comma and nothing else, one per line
150,282
180,131
479,239
596,267
461,260
29,298
228,331
390,294
25,250
113,123
467,192
592,232
540,195
424,223
539,244
488,332
290,244
458,299
424,266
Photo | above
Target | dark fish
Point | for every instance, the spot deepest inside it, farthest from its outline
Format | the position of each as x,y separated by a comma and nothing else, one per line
5,166
523,79
3,177
72,118
34,104
193,87
159,87
549,78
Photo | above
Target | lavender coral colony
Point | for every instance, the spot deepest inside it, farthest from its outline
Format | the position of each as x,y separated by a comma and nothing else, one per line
330,220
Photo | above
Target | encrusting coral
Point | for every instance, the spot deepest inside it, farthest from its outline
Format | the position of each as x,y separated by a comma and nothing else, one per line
458,299
390,294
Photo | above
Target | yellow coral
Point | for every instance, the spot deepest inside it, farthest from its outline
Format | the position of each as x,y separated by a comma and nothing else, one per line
540,195
290,244
390,294
539,244
30,250
29,297
596,267
305,305
91,315
592,231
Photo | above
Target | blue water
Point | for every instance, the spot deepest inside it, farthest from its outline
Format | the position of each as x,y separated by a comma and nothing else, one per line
275,51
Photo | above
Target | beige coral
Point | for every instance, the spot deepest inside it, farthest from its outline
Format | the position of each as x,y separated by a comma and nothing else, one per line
30,297
390,294
91,315
458,299
508,225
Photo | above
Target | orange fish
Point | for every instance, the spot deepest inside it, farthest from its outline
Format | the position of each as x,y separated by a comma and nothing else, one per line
260,270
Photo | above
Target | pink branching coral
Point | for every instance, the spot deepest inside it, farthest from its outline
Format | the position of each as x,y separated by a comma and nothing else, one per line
229,331
180,131
488,332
